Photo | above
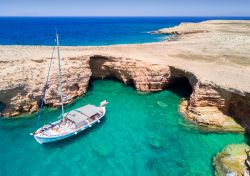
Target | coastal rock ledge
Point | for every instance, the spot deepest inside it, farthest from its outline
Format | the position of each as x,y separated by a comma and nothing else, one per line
220,82
208,105
232,161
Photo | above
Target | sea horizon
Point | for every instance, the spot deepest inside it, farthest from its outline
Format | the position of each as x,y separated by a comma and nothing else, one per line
126,16
90,30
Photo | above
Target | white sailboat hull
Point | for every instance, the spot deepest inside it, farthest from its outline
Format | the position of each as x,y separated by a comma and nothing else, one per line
42,140
46,139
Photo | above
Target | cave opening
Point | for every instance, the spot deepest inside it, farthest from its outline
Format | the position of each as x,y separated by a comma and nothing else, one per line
2,107
101,70
130,82
180,86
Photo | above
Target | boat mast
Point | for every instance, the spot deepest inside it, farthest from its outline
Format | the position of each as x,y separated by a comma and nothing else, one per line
59,70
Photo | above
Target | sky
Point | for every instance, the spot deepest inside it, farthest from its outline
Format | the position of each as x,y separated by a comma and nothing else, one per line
124,7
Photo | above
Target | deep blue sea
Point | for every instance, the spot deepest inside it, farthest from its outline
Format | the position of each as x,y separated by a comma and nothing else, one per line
88,31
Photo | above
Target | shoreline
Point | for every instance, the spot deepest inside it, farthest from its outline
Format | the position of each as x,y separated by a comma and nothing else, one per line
175,59
88,46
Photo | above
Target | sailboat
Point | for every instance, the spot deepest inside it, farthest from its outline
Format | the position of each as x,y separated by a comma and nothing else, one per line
72,122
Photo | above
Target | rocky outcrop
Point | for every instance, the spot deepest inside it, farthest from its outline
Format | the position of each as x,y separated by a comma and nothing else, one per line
208,104
76,73
213,106
143,76
23,92
232,160
184,28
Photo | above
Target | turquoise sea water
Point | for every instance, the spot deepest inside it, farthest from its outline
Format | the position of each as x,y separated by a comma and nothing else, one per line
142,134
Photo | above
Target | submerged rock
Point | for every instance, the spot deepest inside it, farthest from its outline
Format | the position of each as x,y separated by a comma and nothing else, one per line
155,143
232,161
162,104
102,151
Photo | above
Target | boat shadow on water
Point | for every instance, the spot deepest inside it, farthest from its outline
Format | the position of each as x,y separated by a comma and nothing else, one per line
74,138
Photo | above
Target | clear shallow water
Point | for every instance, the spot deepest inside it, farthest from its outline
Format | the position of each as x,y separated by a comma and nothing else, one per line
141,134
88,30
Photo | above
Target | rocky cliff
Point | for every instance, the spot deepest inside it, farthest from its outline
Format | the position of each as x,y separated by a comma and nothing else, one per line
143,76
25,97
23,87
208,105
218,108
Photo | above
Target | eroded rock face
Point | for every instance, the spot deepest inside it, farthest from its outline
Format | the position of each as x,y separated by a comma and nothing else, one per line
76,73
208,105
25,97
144,77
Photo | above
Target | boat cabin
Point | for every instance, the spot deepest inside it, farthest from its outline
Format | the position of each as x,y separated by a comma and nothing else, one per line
84,115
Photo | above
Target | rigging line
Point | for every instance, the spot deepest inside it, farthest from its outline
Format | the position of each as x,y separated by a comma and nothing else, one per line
59,72
46,84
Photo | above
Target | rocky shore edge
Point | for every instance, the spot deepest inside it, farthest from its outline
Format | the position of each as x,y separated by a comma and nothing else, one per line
233,160
208,104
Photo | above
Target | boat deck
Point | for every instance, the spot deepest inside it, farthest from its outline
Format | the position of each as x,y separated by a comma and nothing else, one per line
60,128
73,121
